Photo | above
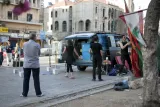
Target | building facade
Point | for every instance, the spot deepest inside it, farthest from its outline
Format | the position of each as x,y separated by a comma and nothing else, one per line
20,26
66,17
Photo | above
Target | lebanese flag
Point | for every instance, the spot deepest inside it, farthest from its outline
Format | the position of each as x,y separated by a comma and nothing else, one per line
133,23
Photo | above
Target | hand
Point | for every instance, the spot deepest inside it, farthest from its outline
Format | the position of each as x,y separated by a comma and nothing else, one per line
80,57
128,43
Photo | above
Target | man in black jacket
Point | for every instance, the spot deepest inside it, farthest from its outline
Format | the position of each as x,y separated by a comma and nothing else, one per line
96,50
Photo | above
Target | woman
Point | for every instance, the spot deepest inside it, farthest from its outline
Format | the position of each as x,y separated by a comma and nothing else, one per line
70,58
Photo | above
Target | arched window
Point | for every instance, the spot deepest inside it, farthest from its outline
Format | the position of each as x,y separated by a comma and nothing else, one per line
56,13
103,12
56,26
96,10
109,25
88,25
81,25
115,13
103,27
64,26
109,13
112,13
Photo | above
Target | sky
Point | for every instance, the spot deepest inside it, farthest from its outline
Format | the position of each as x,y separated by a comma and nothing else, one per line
142,4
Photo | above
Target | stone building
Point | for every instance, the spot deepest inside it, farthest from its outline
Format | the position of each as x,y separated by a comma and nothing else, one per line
20,26
83,16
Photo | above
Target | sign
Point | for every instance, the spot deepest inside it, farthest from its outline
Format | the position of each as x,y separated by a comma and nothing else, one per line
4,39
4,29
42,35
15,35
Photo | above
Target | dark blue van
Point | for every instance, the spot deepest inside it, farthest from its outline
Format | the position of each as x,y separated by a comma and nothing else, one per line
82,43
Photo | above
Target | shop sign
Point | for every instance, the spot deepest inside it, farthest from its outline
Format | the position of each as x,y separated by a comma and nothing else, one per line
3,29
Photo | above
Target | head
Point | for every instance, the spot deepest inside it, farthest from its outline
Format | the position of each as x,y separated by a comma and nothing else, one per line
95,38
32,36
124,38
70,43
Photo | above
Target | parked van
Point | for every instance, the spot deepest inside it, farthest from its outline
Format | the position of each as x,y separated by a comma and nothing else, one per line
82,41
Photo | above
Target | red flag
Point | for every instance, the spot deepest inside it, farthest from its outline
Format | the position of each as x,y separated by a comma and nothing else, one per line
134,42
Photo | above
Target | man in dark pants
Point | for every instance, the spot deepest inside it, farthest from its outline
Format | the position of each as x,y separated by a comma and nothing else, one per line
124,52
96,50
31,63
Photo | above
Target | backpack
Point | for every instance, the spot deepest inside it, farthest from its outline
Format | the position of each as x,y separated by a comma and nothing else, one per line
113,72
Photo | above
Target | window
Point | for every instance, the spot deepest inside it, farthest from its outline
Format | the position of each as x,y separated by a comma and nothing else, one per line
34,1
17,1
15,17
103,27
109,25
56,14
96,10
109,12
56,26
29,17
9,15
66,10
96,24
51,13
63,10
64,26
51,27
103,12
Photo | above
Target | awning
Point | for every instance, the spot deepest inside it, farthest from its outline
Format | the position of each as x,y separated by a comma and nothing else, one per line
80,36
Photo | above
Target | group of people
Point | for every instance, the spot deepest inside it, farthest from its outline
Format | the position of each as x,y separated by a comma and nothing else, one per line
8,49
31,51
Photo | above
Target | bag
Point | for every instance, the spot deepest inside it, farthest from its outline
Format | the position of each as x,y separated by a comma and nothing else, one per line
113,72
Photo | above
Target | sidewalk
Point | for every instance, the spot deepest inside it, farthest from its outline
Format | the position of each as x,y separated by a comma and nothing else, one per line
52,86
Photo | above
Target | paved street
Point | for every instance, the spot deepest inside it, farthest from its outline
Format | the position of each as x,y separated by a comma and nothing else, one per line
52,85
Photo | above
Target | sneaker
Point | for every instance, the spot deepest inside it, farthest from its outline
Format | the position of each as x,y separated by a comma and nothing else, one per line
22,95
72,77
41,95
100,79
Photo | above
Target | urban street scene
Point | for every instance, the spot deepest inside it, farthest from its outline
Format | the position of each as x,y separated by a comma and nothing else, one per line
79,53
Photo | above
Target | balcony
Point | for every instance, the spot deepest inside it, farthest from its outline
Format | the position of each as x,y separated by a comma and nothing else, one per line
21,20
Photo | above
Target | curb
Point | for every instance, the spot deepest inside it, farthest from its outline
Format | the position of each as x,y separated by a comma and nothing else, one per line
70,95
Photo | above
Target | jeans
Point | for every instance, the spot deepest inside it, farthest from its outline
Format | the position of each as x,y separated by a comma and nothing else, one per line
97,62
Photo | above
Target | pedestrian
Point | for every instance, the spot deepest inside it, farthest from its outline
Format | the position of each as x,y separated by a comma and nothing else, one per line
70,58
96,49
1,54
124,51
9,49
31,63
17,52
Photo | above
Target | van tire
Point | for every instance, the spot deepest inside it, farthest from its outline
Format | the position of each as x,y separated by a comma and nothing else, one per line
81,68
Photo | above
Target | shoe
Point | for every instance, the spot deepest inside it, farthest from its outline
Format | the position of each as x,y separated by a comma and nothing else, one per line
93,79
72,77
100,79
22,95
41,95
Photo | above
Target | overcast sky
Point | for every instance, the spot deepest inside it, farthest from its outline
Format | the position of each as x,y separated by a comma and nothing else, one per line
138,3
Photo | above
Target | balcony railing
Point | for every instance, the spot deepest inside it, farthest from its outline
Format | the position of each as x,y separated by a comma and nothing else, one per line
21,20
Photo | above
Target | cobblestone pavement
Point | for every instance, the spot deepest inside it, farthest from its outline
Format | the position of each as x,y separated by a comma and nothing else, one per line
52,85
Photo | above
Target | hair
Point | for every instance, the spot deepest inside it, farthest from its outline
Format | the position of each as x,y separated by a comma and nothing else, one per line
32,36
95,38
70,43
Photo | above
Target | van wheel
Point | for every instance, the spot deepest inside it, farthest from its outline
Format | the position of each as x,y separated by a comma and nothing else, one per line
81,68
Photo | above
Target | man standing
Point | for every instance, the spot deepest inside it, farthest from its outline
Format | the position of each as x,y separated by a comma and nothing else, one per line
31,63
9,49
124,51
96,50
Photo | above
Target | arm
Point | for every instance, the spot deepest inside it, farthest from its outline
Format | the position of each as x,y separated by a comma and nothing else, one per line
64,50
101,52
76,52
90,50
39,50
122,47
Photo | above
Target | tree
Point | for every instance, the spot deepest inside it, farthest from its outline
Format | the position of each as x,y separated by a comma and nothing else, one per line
150,69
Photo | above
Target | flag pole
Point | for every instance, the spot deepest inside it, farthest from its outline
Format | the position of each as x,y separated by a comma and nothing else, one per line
133,12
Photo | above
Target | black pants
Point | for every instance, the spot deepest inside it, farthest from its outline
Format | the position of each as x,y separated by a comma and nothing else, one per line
127,58
1,58
69,68
27,74
97,62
